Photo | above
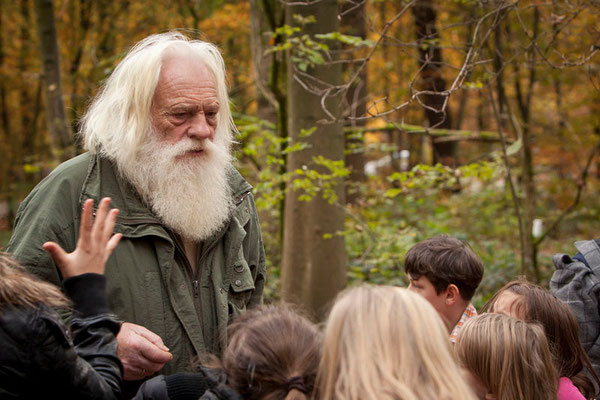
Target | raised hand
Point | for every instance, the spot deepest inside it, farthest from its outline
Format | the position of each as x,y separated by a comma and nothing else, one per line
95,244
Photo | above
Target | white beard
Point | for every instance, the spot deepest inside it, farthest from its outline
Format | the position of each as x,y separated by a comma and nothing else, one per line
191,196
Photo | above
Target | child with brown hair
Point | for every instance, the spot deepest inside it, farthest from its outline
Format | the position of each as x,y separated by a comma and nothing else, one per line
529,302
507,358
446,272
273,354
39,356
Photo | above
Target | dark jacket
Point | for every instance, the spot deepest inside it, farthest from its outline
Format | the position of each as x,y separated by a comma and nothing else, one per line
576,281
206,384
41,358
149,280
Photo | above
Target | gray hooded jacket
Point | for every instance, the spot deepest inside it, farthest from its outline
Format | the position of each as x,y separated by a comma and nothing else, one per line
576,281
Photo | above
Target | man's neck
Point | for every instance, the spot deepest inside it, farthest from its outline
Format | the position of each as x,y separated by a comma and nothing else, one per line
191,249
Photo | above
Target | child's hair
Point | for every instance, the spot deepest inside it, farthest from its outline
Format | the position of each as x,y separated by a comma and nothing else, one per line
384,342
443,261
534,303
273,353
18,288
510,357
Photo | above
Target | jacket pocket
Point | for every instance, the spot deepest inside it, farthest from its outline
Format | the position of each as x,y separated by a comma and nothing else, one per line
240,288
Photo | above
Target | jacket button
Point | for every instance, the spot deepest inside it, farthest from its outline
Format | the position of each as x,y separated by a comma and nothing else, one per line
238,268
238,282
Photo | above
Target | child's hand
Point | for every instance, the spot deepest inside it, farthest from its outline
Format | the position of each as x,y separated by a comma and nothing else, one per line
96,242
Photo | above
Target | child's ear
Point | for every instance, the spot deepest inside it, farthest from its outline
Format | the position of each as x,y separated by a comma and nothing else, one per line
452,294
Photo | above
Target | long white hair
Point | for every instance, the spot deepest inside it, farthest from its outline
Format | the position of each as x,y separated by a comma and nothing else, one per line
118,121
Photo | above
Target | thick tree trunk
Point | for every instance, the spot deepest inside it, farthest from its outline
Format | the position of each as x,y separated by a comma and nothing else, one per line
60,129
268,15
432,79
314,268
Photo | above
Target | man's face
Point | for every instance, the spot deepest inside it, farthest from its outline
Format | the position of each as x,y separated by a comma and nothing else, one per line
185,105
423,286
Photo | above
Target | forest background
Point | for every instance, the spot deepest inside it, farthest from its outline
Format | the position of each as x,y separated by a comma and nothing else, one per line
365,126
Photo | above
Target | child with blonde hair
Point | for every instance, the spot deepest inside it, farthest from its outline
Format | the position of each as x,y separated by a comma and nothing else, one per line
384,342
507,358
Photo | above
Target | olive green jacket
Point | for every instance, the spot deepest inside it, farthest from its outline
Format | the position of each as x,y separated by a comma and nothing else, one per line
149,279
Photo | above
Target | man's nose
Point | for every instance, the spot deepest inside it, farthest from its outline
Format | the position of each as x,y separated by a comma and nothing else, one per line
200,128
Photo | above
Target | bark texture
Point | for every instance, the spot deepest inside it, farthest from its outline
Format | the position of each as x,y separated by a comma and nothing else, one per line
314,268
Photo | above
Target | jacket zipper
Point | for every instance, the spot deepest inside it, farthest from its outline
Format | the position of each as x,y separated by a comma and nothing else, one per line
239,201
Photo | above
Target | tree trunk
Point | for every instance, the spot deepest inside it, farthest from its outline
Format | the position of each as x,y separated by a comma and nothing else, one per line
5,122
313,267
432,79
354,24
272,96
60,129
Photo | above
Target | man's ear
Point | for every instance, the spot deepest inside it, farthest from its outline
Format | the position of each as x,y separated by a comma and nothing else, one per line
452,294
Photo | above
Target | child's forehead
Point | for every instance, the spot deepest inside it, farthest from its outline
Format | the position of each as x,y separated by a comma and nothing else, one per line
417,277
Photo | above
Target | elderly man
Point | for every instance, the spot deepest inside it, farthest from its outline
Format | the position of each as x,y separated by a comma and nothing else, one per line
158,138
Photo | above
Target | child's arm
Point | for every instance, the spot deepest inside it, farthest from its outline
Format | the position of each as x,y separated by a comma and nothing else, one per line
96,242
90,369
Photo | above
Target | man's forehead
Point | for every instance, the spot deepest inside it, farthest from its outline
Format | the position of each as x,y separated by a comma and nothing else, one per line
181,74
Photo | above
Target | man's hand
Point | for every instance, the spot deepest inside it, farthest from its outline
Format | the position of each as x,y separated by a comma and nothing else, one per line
96,242
141,351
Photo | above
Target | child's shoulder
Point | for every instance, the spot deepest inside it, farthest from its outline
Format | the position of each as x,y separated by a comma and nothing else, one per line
31,325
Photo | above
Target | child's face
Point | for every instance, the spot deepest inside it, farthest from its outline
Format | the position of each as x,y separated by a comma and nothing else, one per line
506,303
425,288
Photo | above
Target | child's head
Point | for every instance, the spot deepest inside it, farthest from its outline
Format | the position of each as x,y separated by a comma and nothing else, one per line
384,342
18,288
508,356
530,302
273,353
445,271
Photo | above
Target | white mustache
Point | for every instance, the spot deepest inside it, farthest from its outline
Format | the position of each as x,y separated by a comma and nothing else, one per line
188,145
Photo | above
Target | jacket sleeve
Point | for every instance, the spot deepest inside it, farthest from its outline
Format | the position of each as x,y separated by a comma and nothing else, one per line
180,386
575,284
51,212
89,368
153,389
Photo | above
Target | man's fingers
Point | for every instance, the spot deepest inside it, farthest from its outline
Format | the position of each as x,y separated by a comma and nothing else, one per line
57,253
137,352
153,338
155,355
